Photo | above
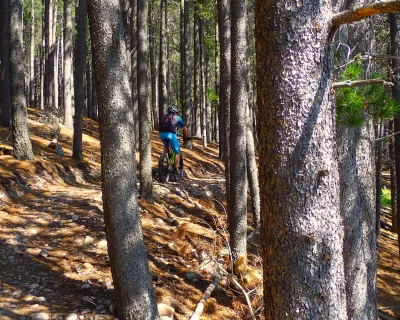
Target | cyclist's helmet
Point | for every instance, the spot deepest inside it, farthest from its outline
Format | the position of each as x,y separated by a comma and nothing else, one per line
172,109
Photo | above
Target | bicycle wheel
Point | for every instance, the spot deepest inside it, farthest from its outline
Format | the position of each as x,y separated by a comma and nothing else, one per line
163,168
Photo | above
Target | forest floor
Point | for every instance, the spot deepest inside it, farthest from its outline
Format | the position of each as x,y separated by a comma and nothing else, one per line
53,249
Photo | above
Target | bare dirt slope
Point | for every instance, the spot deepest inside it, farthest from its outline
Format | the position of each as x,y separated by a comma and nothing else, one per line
53,252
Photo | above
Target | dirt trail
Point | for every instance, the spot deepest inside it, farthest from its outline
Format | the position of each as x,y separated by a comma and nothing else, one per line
53,252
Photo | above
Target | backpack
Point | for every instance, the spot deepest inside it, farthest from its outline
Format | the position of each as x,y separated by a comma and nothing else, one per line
167,123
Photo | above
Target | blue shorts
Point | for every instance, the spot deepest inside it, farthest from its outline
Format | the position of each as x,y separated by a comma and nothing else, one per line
173,141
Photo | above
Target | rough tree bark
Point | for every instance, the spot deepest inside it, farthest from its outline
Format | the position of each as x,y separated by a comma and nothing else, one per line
146,184
5,107
79,80
68,114
21,140
225,82
301,229
188,86
237,139
162,72
133,287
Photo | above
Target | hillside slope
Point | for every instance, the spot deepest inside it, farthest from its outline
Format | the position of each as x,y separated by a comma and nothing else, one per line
53,252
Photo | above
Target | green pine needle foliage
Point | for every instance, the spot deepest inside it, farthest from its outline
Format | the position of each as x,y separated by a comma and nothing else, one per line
355,104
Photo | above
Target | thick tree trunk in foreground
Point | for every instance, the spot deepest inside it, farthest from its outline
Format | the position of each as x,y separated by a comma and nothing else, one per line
133,287
22,143
237,159
146,183
301,228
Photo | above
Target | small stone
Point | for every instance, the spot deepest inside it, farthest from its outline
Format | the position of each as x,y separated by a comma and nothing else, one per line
71,316
111,308
102,244
44,253
87,266
75,217
40,299
17,293
193,276
86,286
159,222
89,240
34,286
40,316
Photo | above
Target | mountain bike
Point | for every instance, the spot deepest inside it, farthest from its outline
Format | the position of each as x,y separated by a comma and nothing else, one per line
166,164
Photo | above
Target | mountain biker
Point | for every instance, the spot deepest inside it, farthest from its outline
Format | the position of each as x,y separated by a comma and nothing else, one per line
167,128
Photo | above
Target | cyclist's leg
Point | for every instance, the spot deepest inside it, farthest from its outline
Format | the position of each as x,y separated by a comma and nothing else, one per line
175,146
165,138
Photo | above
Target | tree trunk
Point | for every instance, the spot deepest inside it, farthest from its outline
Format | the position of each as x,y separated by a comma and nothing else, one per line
22,143
237,159
146,184
196,126
378,178
203,81
252,170
79,80
356,170
133,287
89,80
95,106
5,107
182,58
49,57
394,175
301,229
153,67
133,54
225,83
188,86
162,75
68,114
32,56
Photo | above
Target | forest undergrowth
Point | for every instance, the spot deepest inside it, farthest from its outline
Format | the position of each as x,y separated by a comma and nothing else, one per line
53,249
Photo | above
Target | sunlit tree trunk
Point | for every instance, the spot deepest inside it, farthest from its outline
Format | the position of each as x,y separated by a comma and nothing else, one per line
237,139
79,80
135,298
301,227
68,64
146,184
32,56
225,82
21,139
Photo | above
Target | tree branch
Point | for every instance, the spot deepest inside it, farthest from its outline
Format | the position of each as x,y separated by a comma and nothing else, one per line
360,83
200,307
388,136
357,14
